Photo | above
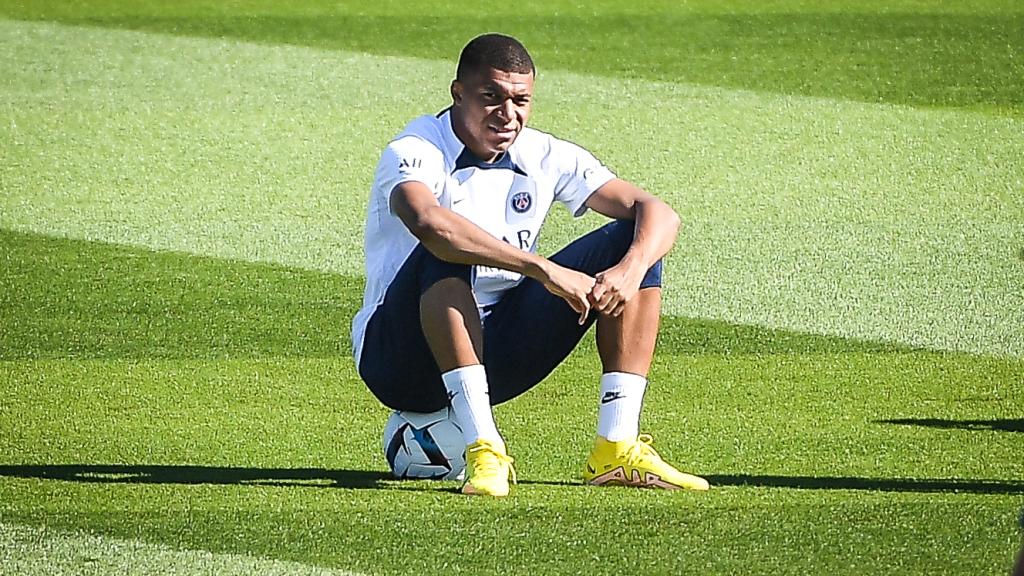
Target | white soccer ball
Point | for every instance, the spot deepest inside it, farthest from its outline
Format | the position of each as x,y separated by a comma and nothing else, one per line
425,445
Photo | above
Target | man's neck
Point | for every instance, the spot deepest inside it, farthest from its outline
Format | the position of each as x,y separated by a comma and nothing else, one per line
460,133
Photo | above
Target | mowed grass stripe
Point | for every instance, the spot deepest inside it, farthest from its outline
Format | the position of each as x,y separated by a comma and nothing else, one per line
837,49
817,215
62,298
31,551
281,458
112,354
210,404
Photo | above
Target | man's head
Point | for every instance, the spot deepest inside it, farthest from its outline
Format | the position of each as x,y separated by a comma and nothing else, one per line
492,94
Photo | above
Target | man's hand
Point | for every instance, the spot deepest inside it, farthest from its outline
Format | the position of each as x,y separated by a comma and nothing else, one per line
572,286
615,287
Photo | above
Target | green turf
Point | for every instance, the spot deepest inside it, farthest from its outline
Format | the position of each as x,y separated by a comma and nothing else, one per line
93,300
924,53
796,210
29,551
194,424
180,258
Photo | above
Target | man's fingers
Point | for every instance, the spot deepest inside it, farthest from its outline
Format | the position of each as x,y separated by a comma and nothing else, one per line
607,301
619,308
585,312
602,296
611,299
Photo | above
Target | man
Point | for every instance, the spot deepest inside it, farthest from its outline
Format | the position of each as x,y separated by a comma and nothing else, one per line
459,310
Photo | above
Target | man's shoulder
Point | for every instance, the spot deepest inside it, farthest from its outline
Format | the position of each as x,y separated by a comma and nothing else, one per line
535,145
423,137
427,128
533,138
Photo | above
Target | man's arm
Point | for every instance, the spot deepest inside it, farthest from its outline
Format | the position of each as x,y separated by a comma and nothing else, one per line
657,225
454,238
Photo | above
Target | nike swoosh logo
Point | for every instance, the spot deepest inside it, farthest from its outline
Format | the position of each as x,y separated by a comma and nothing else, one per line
611,397
590,469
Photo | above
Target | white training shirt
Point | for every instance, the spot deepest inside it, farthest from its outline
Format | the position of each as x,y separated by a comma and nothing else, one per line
508,198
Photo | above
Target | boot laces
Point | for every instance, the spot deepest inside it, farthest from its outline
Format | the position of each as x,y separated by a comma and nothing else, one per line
488,461
641,449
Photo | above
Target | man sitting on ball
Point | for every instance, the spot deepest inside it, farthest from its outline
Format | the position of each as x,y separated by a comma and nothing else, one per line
459,309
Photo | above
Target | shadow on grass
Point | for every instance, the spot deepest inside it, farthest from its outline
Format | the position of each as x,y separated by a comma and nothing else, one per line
194,475
359,479
951,485
998,425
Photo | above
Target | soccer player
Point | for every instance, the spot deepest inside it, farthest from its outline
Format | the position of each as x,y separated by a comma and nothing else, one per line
459,308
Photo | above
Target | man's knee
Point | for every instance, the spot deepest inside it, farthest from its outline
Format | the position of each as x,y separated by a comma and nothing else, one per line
622,233
603,248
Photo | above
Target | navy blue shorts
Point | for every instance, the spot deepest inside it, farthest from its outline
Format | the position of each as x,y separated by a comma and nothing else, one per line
527,334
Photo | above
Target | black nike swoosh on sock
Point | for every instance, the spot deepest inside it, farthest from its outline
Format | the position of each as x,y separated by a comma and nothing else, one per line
612,396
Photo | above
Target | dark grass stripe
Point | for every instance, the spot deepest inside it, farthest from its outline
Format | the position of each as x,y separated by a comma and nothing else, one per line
64,298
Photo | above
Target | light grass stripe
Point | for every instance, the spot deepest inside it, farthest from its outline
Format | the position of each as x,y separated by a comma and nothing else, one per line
31,551
825,216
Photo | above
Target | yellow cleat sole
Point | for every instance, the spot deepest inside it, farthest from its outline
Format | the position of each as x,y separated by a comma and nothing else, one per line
647,479
474,491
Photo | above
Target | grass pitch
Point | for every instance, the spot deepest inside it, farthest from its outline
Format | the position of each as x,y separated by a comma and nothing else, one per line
183,187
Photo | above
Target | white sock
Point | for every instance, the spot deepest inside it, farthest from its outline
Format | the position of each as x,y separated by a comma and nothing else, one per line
470,400
622,396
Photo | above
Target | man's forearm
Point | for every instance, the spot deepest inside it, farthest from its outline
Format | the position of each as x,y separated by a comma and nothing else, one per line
454,238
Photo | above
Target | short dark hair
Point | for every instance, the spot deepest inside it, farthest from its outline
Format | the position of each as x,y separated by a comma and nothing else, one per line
496,51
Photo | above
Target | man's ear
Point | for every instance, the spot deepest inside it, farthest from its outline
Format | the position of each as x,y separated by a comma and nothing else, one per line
456,91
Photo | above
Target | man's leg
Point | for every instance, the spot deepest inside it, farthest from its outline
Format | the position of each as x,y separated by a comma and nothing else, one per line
621,455
531,331
451,325
422,352
625,344
424,339
397,363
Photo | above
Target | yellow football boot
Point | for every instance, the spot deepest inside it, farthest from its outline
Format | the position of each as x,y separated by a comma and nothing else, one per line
488,469
635,463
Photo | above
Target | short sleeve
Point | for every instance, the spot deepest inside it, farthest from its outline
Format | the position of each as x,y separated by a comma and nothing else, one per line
410,159
581,174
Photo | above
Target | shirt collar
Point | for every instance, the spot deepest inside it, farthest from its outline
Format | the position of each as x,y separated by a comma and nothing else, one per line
467,159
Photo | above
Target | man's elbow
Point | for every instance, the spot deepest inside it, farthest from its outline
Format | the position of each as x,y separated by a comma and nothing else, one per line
672,221
432,229
422,223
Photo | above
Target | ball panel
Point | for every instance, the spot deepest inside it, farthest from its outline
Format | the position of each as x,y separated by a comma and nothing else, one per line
424,445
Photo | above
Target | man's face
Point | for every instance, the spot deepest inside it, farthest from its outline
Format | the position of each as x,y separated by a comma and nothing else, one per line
489,110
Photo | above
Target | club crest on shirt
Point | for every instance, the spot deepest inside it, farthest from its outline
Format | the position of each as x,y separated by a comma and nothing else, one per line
521,202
